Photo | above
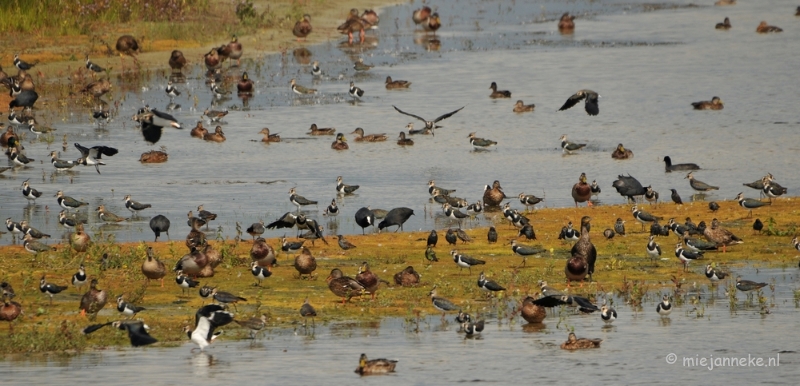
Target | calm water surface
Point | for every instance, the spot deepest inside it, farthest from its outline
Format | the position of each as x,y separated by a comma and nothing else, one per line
647,61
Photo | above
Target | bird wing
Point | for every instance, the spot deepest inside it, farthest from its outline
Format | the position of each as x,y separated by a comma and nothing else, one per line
94,327
163,115
137,333
84,150
550,301
572,101
286,221
445,116
417,116
584,304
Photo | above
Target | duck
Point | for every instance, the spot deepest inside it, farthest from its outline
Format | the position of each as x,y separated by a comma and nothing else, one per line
7,136
302,28
262,253
368,279
97,89
498,94
375,366
152,268
93,300
584,255
408,277
212,60
269,137
721,236
403,141
575,343
354,23
9,311
256,229
344,286
714,104
521,107
669,167
396,84
154,157
314,130
192,263
305,263
531,312
493,196
590,104
79,240
361,137
216,136
764,28
566,24
340,143
177,61
621,153
127,45
725,2
422,14
726,24
582,191
432,23
245,84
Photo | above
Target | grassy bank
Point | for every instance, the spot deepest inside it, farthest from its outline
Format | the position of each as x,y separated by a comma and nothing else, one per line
622,268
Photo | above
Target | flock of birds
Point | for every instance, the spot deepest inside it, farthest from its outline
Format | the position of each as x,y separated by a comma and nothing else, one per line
202,258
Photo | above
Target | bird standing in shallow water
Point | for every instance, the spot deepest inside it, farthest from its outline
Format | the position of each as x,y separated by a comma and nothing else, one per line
568,147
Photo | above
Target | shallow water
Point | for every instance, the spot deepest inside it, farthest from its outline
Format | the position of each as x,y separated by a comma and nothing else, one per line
648,62
634,348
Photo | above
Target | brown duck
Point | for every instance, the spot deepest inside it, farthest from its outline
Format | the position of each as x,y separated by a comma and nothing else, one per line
493,196
566,24
262,253
721,236
575,343
521,107
407,277
7,135
198,131
79,240
216,136
583,257
354,23
152,268
302,28
344,286
305,263
9,311
97,89
269,137
621,153
340,143
582,191
361,137
714,104
531,312
314,130
368,279
394,84
212,60
192,263
245,84
764,28
93,300
154,157
177,61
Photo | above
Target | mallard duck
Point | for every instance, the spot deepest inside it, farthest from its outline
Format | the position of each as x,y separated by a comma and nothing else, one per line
726,24
153,157
584,255
591,104
262,253
582,191
354,23
621,153
302,28
8,135
521,107
403,141
269,137
371,17
212,60
375,366
566,24
407,277
498,94
532,313
79,240
245,84
234,50
305,263
395,84
152,268
361,137
340,143
198,131
764,28
192,263
314,130
177,61
575,343
93,300
9,311
720,235
432,23
344,286
368,279
300,90
216,136
493,196
714,104
421,15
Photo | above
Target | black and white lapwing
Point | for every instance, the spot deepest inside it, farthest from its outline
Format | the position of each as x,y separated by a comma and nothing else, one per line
299,200
185,282
260,273
207,320
136,329
608,314
126,308
343,188
134,206
464,261
92,155
50,289
715,275
643,217
686,256
79,279
488,285
524,251
30,193
653,249
664,308
440,303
